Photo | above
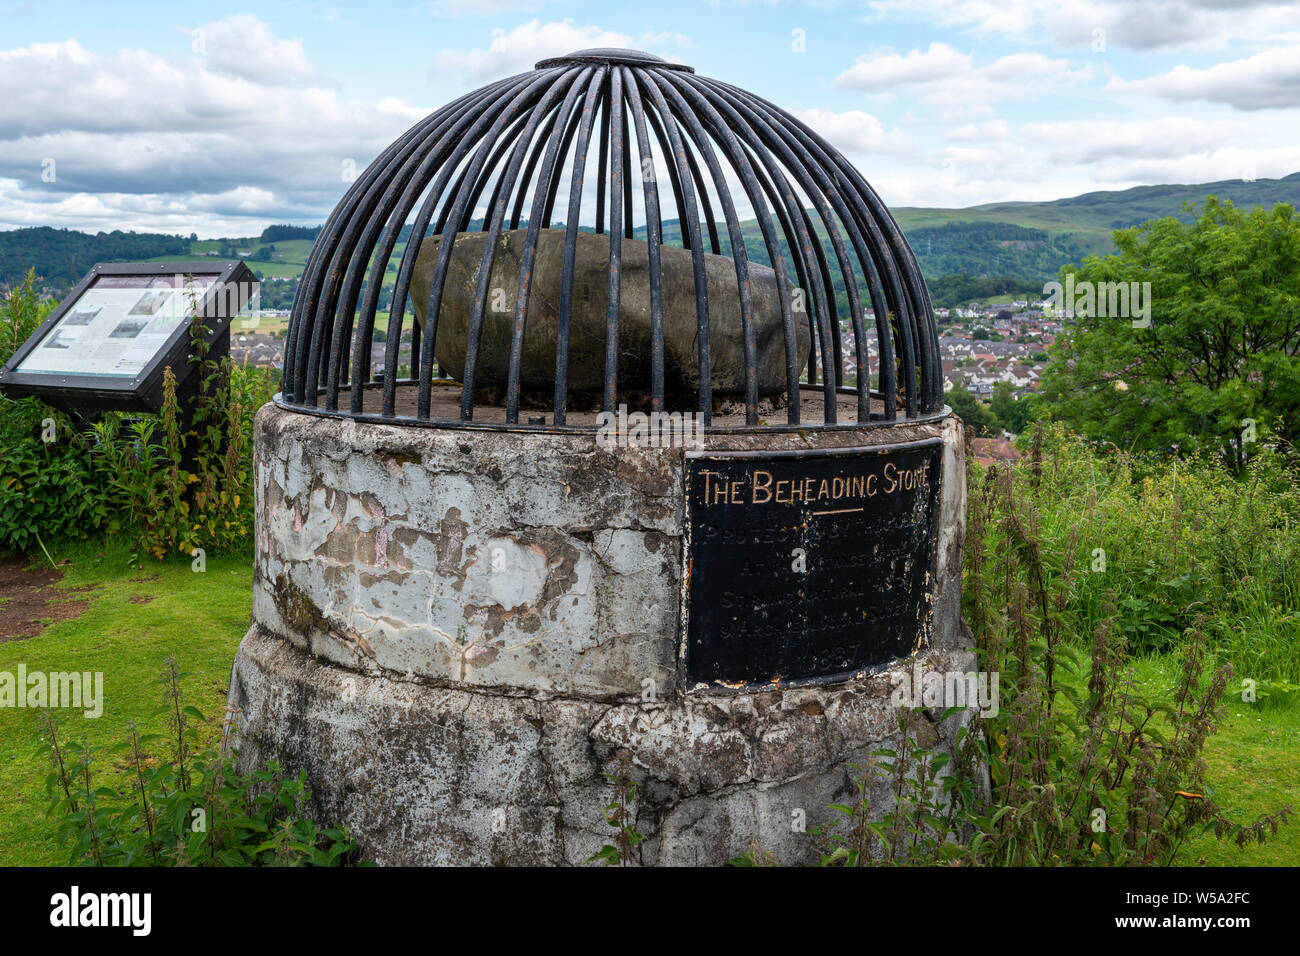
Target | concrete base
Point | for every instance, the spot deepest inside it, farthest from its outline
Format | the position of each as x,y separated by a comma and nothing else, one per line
435,775
453,632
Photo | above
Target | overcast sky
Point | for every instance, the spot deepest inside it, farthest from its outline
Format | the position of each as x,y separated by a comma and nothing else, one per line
207,118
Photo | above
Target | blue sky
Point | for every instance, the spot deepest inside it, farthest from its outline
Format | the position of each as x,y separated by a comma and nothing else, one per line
219,119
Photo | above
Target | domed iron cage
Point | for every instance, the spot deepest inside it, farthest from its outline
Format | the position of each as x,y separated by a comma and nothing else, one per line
485,150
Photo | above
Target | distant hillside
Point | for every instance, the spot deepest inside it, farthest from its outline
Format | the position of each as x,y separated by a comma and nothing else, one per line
1017,243
62,256
1028,242
1066,229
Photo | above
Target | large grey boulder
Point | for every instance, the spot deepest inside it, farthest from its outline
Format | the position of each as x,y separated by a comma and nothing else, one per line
589,315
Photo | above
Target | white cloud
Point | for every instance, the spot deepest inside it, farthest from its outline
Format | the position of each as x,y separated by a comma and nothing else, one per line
243,46
518,50
141,142
1105,140
948,77
884,70
1267,80
1225,163
852,131
1159,24
996,129
481,8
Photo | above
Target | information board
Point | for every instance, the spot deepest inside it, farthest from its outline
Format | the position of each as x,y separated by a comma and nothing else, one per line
117,324
108,345
808,564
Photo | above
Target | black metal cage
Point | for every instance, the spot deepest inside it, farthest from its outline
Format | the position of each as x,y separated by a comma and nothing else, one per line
637,135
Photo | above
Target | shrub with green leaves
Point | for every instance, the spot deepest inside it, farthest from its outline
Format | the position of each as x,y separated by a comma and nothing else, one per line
1178,541
123,807
173,485
1081,765
51,487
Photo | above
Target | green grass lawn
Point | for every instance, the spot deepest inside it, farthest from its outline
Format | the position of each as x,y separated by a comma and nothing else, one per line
199,617
1254,760
1253,766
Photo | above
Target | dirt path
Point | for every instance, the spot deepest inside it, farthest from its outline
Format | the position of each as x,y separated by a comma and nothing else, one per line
29,601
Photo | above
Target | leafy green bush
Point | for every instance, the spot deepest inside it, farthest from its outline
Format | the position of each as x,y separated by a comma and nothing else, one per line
1078,766
173,486
1178,541
50,486
48,490
192,809
1083,766
1217,344
1078,560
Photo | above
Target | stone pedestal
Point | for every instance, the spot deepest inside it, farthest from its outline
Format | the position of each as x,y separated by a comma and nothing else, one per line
454,631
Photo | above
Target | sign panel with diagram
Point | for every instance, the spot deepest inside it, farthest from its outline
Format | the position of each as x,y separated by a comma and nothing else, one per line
118,324
106,346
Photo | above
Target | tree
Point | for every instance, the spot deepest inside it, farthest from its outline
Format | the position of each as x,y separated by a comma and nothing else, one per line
1012,413
1004,396
1223,342
975,415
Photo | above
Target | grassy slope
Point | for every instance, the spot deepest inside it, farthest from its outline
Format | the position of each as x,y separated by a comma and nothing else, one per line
198,617
1253,765
1093,216
290,257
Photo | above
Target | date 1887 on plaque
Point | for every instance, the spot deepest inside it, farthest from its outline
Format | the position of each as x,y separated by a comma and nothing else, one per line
808,564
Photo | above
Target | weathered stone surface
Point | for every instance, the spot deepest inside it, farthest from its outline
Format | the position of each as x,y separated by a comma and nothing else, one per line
453,713
486,558
590,307
427,775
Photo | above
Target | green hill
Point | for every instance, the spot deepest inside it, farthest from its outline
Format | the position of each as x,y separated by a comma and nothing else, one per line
1024,242
1063,229
1029,241
62,256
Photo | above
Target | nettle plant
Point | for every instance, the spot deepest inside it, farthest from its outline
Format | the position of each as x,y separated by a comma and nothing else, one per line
620,814
1079,766
175,508
171,482
50,487
122,806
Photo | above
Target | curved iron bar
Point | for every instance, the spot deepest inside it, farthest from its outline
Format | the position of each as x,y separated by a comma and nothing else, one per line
518,140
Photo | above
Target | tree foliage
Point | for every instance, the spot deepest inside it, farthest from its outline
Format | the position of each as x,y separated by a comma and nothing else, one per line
63,256
1223,344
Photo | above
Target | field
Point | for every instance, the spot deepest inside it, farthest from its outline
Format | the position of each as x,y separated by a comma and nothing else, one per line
1092,217
135,619
287,262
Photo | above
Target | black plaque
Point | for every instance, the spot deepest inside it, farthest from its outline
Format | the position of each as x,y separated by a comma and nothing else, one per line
809,564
